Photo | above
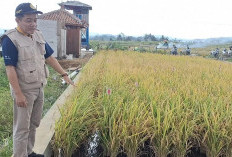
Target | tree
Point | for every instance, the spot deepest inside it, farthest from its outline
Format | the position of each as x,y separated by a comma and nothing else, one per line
153,38
128,38
149,37
119,37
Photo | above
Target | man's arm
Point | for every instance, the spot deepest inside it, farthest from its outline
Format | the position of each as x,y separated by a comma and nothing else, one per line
13,79
10,55
55,65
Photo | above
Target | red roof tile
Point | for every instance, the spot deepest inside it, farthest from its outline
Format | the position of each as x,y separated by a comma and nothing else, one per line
63,16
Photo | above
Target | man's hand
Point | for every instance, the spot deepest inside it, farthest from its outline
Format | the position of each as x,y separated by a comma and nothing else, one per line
68,80
13,79
21,100
55,65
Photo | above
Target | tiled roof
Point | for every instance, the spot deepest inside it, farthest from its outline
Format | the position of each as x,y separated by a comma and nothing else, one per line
64,16
76,4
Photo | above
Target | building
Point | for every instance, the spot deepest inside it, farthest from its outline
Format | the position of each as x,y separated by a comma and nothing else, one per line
81,11
62,31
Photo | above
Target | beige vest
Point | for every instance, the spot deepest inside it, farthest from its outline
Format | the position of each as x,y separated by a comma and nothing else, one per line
31,69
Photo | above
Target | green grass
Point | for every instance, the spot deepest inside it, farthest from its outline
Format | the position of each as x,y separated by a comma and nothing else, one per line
52,91
6,111
6,149
229,60
148,46
5,104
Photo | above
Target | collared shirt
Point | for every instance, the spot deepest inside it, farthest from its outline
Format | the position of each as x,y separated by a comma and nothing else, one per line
21,31
10,52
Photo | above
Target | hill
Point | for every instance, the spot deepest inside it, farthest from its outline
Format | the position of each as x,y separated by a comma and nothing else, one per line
195,43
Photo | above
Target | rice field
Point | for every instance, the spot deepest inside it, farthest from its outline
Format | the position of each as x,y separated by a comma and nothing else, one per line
134,101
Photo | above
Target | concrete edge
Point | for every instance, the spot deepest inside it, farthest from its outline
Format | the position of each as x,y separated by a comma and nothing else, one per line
45,131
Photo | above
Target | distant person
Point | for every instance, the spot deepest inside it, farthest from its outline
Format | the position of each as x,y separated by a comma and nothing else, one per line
174,50
25,52
224,52
188,50
215,53
165,43
230,50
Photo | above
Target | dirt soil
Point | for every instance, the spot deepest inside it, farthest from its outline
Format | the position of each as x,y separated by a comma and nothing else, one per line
75,63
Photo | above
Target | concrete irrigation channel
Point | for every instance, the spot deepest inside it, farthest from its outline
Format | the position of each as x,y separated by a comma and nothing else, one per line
46,129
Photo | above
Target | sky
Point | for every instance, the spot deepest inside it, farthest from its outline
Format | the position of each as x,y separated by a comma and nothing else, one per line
185,19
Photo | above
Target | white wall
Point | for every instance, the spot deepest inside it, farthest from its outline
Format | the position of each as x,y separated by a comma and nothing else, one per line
49,30
63,42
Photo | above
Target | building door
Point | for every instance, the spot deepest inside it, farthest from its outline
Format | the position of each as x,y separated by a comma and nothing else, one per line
73,41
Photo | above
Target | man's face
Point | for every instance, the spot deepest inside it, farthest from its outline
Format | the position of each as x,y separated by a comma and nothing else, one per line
28,23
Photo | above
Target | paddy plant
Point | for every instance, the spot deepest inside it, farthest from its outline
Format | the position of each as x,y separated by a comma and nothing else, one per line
173,103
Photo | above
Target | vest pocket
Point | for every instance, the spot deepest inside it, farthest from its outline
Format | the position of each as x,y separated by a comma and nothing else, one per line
31,74
25,53
41,46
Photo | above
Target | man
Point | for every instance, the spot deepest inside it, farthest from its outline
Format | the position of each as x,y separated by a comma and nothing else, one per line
188,50
174,50
230,50
25,53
